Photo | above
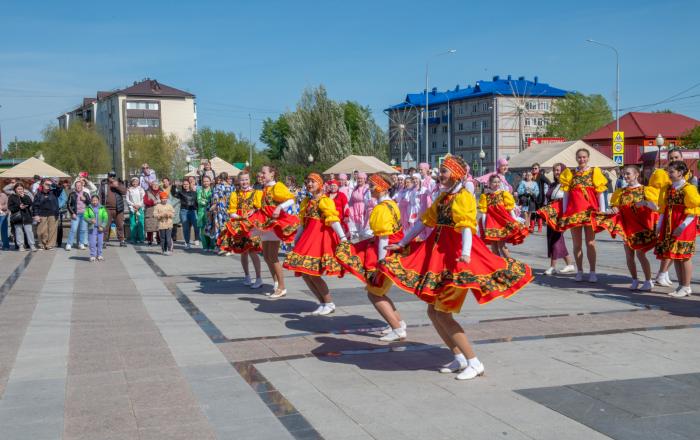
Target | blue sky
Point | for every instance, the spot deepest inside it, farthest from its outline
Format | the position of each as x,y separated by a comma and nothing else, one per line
257,56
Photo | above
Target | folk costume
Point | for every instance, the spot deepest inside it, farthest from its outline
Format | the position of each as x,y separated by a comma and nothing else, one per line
499,222
236,236
430,270
317,237
635,223
272,196
679,206
361,259
584,196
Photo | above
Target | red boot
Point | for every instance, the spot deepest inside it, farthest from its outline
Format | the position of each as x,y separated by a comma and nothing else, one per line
539,224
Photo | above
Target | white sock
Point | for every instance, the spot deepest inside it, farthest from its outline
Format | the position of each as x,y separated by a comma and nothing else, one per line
474,362
461,359
662,275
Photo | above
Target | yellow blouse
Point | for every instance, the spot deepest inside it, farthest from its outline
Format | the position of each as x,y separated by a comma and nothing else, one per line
277,193
650,195
326,210
600,183
691,200
506,197
463,211
233,199
383,221
659,181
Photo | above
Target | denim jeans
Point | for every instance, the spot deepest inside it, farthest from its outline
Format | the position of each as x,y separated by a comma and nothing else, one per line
4,232
78,226
188,219
96,240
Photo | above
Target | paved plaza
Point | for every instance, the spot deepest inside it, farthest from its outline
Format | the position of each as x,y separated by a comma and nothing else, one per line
145,346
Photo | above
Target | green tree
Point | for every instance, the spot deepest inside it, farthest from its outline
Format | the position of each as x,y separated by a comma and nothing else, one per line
226,145
274,135
576,115
317,128
23,149
163,154
691,139
80,147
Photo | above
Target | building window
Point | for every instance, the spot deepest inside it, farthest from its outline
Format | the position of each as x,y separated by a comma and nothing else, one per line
434,145
460,110
474,125
444,128
485,123
444,144
474,108
531,105
527,122
434,130
461,142
142,105
543,105
475,140
143,122
485,106
444,113
461,126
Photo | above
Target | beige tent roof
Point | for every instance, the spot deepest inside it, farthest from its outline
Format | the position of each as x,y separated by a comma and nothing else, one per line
565,152
219,166
366,164
31,167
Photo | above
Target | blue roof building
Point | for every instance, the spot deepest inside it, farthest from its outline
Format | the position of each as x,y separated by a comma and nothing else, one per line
496,117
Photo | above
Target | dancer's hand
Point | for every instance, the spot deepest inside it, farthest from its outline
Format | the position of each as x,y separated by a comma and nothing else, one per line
464,259
392,247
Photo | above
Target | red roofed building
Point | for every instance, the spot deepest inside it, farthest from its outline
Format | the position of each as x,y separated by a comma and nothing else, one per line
641,130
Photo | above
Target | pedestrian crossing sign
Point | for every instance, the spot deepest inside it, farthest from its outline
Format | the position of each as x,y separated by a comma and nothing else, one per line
619,158
619,136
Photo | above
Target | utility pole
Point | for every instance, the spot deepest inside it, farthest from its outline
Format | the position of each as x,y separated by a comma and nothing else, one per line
250,138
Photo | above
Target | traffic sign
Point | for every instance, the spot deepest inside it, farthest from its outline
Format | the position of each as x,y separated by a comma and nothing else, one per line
619,158
619,148
619,136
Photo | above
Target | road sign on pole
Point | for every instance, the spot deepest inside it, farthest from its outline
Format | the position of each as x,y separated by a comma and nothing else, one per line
619,158
618,147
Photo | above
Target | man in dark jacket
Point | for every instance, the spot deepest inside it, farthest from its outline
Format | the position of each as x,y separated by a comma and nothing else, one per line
541,180
45,211
112,192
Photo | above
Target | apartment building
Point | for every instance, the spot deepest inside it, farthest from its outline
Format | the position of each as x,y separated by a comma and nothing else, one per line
496,117
146,107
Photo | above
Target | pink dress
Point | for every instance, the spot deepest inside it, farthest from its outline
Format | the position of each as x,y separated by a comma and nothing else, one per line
360,204
428,192
401,199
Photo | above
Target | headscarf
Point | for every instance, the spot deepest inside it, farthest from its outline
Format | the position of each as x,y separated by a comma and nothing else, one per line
361,174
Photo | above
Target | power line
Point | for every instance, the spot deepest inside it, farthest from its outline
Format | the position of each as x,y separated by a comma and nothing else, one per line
669,99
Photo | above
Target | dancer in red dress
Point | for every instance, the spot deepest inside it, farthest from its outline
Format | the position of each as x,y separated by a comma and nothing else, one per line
660,182
237,234
341,203
679,207
633,216
584,196
499,224
275,223
361,259
451,261
313,255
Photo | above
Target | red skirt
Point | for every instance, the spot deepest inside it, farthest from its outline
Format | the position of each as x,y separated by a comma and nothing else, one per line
636,226
236,236
314,253
682,247
430,270
361,260
581,206
285,226
501,226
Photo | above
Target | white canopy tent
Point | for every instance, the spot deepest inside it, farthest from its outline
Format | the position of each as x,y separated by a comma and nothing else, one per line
219,166
365,164
562,152
32,167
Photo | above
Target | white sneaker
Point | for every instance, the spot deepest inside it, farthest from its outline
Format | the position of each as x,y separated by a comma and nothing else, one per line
247,281
471,372
664,281
592,277
394,335
318,310
81,247
647,286
453,367
92,259
68,246
100,258
568,269
579,277
257,284
550,271
681,292
278,294
634,285
386,330
197,243
328,308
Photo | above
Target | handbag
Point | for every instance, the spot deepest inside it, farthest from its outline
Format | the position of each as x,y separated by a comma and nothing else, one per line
16,217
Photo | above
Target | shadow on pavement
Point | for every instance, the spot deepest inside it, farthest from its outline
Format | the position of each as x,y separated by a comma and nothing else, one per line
225,286
381,357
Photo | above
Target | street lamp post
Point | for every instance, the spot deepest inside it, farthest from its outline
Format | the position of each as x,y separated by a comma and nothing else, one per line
402,127
188,159
427,126
617,80
659,144
482,155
